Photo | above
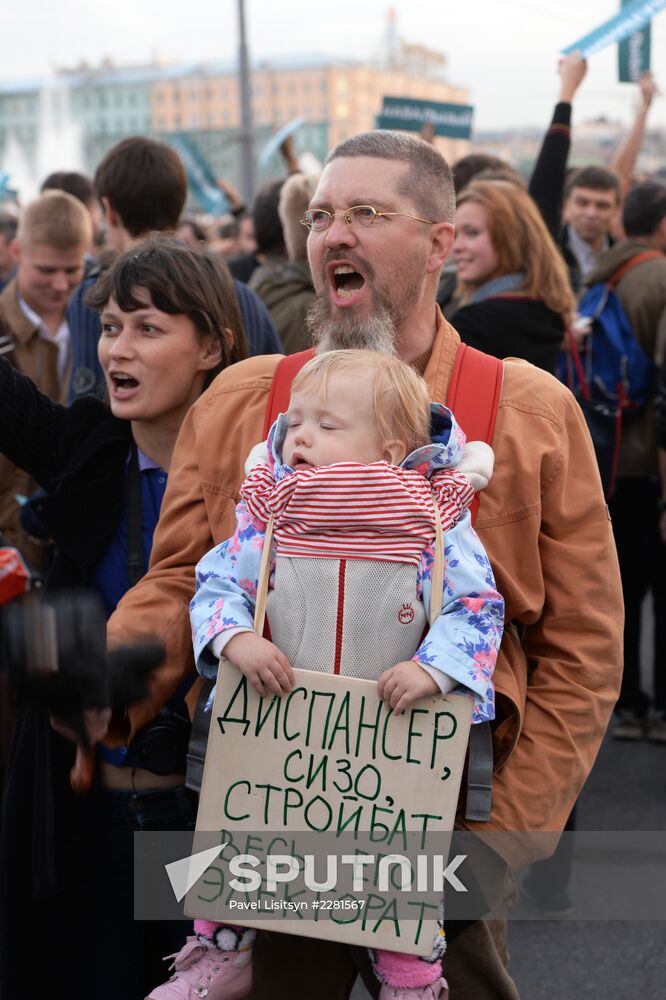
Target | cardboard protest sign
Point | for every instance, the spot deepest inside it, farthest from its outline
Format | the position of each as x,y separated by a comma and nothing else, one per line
327,776
634,53
410,114
633,16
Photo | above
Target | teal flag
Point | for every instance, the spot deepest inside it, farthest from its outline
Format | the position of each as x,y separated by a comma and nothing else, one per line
631,19
200,177
634,54
410,114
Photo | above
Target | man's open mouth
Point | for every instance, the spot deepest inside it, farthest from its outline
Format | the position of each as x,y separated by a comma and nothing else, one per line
345,281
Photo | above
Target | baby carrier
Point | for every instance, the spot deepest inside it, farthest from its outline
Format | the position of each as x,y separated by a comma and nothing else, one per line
360,616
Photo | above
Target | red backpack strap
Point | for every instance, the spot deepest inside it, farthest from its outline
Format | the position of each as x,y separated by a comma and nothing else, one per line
278,397
474,395
630,264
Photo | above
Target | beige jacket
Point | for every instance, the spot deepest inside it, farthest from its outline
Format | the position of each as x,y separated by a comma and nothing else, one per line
38,359
545,526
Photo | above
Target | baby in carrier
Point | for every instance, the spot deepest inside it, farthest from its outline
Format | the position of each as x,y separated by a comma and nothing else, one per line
356,470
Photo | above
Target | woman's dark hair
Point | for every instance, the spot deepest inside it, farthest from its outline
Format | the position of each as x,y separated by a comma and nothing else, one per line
179,281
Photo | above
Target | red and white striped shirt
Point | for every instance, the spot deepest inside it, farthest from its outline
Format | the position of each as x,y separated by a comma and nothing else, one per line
354,511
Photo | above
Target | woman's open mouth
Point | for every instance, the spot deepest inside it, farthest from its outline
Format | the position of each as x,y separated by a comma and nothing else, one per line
122,385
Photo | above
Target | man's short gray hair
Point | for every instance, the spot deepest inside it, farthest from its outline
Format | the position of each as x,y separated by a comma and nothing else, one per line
429,182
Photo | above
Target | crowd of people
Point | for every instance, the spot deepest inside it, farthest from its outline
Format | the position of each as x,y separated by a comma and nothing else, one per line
139,350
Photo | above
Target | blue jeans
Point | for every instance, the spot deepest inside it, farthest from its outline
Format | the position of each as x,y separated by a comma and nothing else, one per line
127,955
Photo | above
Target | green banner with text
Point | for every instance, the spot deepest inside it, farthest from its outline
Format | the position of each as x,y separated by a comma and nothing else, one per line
410,114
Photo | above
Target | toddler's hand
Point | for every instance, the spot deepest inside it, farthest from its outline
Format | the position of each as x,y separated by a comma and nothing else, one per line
264,665
400,686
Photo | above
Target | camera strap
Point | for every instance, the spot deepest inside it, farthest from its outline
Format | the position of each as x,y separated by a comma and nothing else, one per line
135,550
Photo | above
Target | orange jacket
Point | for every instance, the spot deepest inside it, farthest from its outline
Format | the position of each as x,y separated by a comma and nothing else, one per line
544,524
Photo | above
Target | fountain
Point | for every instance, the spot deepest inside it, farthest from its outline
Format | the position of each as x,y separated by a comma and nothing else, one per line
58,144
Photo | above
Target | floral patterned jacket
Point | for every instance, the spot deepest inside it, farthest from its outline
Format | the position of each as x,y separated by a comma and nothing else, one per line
462,643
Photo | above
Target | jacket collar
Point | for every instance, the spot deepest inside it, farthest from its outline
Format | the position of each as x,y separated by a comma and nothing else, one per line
439,369
22,329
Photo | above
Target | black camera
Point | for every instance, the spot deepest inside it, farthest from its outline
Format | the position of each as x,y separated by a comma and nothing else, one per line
53,647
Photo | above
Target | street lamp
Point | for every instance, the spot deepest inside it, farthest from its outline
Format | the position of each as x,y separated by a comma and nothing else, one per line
246,132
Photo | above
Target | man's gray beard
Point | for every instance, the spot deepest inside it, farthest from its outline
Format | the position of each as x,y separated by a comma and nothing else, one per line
345,332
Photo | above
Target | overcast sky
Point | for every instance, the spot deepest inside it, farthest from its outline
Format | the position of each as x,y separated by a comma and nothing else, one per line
503,51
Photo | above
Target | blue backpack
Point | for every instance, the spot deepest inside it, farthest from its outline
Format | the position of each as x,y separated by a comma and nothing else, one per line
609,373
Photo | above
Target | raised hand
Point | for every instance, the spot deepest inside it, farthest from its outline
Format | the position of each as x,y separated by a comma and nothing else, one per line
572,70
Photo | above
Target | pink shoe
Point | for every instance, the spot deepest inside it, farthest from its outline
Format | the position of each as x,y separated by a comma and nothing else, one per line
435,991
207,972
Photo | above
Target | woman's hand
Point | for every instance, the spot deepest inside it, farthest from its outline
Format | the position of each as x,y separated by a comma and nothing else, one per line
400,686
264,665
96,723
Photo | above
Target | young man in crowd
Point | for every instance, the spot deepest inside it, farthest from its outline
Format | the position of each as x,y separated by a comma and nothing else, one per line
53,235
142,187
542,519
592,202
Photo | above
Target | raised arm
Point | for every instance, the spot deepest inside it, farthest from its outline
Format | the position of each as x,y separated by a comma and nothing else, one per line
547,182
623,161
32,426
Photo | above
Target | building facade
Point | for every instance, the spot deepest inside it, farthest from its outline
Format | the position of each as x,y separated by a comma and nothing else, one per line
72,119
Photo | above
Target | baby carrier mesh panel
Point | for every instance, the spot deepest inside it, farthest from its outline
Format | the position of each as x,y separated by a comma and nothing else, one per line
364,610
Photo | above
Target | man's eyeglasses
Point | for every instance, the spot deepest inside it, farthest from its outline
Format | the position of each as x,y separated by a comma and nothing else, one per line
358,217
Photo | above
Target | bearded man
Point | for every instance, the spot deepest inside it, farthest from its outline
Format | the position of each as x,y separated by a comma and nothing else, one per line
381,227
